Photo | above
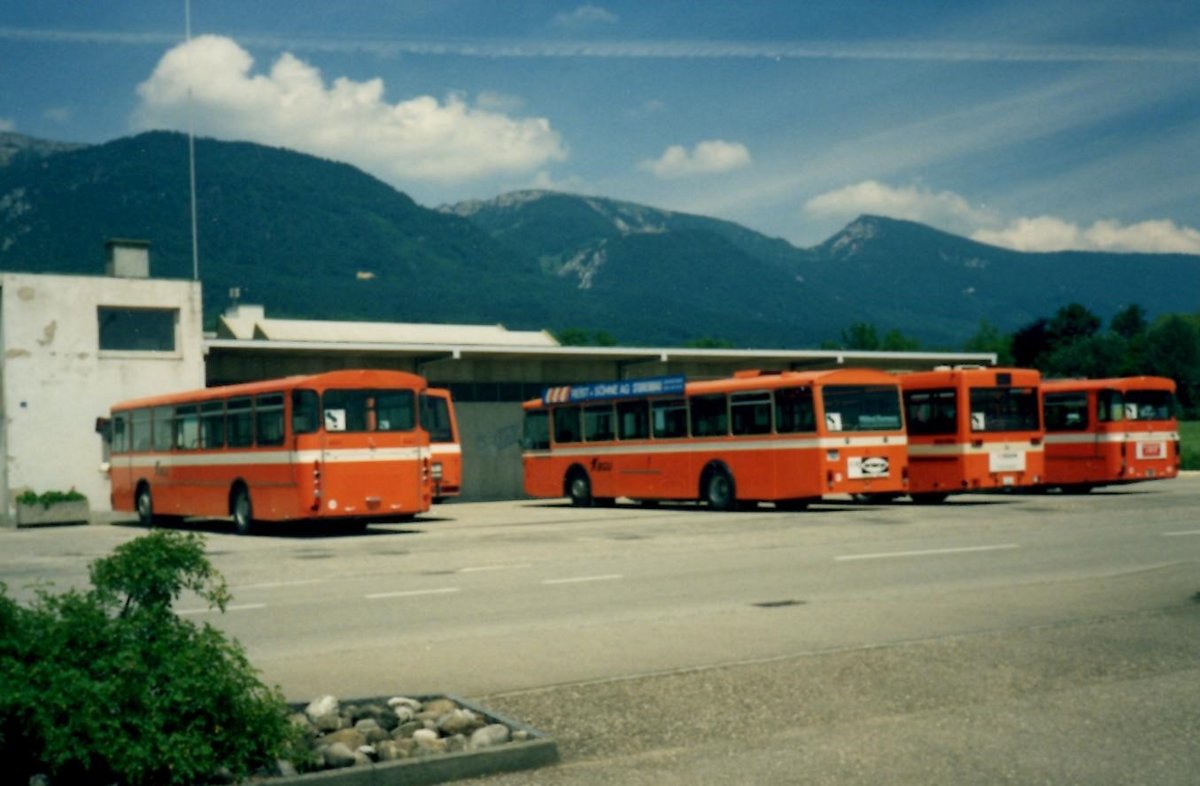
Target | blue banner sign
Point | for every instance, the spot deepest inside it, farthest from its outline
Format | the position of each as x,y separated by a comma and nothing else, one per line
623,388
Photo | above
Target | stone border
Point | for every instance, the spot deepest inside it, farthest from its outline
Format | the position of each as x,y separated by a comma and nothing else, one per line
56,513
537,751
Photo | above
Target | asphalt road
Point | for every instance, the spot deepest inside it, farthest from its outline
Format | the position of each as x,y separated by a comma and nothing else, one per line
991,639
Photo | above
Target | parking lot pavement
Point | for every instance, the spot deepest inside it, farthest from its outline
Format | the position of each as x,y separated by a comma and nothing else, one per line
1106,701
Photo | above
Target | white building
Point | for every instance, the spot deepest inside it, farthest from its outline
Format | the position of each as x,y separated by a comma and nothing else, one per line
70,346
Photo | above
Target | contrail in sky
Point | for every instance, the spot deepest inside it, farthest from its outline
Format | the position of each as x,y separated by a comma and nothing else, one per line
916,51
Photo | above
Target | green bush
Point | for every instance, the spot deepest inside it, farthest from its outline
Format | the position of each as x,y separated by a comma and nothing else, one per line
1189,448
48,498
110,686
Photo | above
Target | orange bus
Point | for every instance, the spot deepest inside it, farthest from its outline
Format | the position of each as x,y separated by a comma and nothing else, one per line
972,429
343,445
788,438
438,418
1107,431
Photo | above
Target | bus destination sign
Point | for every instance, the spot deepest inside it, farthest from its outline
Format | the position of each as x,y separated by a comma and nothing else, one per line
624,388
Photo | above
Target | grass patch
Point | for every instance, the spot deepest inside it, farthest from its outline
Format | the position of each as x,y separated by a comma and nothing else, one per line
1189,443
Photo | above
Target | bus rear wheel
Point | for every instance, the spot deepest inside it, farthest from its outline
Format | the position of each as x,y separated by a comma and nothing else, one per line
579,489
718,489
242,510
145,506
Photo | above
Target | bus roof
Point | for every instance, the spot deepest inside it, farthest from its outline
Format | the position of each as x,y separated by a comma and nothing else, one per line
1111,383
347,378
763,380
951,376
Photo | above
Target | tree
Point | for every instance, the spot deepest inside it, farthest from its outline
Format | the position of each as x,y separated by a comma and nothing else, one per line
1030,343
895,341
1129,322
860,335
1173,350
110,686
1071,323
988,338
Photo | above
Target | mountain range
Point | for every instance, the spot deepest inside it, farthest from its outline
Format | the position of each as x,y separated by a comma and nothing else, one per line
317,239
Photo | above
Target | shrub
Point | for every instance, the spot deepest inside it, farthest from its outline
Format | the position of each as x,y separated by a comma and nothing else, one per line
110,686
48,498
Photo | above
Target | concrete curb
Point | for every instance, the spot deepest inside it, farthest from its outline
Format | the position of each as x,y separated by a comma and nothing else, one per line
538,751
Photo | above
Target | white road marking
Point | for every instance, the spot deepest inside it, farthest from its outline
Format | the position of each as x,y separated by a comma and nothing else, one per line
277,584
483,568
215,610
1180,534
926,552
581,579
411,593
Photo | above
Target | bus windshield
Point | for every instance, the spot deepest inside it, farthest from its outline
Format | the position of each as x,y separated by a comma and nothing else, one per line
1004,409
1149,405
861,407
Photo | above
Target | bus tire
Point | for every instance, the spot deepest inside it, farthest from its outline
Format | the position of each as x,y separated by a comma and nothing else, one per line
579,488
719,491
144,503
930,498
242,510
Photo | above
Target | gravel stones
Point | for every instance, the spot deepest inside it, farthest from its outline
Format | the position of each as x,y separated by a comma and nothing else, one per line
355,734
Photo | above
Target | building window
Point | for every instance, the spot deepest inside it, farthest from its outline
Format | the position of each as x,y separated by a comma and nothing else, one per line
137,329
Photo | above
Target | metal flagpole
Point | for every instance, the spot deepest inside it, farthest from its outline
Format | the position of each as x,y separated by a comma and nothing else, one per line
187,13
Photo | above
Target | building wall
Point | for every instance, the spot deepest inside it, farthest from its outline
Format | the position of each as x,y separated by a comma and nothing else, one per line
55,381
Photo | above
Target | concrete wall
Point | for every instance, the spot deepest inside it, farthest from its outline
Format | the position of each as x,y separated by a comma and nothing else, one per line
55,381
490,434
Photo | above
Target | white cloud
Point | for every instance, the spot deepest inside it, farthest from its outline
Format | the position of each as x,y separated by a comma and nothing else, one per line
950,211
422,138
941,208
706,158
1047,233
585,16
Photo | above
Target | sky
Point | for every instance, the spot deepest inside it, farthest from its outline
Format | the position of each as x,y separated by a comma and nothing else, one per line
1041,125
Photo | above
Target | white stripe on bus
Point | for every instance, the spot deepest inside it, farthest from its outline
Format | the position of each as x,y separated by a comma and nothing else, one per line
1088,438
267,457
962,449
821,443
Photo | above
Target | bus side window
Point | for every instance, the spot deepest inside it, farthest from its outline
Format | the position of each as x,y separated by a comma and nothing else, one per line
163,428
794,412
751,412
268,417
598,423
120,432
212,424
239,422
1110,406
566,425
140,430
435,418
187,427
710,415
1066,411
633,419
669,418
305,406
537,430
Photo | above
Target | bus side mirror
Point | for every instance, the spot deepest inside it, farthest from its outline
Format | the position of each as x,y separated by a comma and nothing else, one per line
104,428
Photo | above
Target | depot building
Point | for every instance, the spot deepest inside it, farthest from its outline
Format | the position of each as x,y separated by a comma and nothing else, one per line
71,346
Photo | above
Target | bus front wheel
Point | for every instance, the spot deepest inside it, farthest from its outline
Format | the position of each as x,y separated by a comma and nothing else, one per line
579,489
243,511
718,489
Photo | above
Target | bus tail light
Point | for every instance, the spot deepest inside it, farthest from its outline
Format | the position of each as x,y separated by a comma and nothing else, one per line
316,503
437,471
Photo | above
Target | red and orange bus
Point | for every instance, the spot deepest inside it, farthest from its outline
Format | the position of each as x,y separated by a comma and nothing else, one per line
972,429
438,418
1107,431
788,438
343,445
